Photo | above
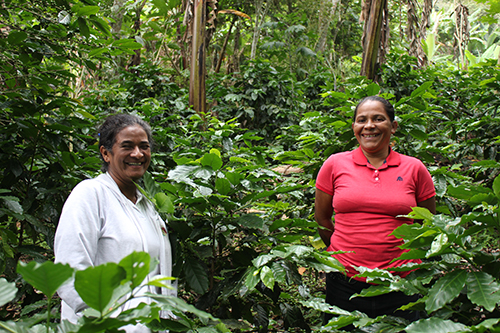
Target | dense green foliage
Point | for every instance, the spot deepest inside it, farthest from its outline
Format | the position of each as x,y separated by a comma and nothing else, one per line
237,184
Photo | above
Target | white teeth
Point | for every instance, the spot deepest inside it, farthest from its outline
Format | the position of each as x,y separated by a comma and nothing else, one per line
134,163
370,136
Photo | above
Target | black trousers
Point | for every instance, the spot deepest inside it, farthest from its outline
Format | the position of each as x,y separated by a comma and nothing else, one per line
340,288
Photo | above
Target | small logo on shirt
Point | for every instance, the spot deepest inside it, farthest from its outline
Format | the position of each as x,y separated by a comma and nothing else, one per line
400,179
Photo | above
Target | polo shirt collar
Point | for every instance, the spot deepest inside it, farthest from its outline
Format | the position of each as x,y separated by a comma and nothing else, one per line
393,159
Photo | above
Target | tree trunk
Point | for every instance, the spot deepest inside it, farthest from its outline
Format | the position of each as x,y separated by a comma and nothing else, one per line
197,97
223,51
260,15
327,11
371,38
117,12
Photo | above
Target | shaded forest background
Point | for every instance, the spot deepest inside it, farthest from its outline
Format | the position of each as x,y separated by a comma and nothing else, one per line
238,148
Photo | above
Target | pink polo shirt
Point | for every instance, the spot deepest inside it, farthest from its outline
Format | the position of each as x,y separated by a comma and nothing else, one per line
366,202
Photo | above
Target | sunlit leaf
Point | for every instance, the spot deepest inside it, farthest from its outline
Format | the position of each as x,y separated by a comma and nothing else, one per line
96,285
7,291
46,277
267,277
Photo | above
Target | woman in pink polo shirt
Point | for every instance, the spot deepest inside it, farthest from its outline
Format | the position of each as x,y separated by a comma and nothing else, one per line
367,188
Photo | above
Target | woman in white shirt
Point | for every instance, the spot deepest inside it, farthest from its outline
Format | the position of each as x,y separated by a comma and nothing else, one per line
106,218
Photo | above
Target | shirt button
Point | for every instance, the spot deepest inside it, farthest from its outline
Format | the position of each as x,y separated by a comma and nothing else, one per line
376,178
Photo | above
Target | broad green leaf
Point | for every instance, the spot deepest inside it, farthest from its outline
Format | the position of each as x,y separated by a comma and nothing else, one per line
96,285
262,260
422,89
267,277
373,89
17,327
251,221
482,290
211,160
466,192
126,44
196,275
234,177
252,277
437,245
181,172
279,271
488,324
299,250
7,291
445,290
137,267
16,37
84,29
164,204
161,6
320,305
496,187
97,52
435,325
12,203
86,10
46,277
418,134
329,261
223,186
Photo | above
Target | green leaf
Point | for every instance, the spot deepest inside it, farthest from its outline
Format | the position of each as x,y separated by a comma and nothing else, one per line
86,10
126,44
496,187
223,186
373,89
252,277
84,29
136,266
12,203
164,204
16,37
196,275
262,260
161,281
177,304
445,290
422,89
482,290
418,134
435,325
46,277
7,291
211,160
96,285
162,7
251,221
437,245
299,250
267,277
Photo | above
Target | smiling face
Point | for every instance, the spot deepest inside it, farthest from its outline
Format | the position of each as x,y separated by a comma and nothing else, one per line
373,128
130,156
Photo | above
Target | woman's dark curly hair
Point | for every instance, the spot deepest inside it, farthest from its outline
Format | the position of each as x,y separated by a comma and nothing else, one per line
389,109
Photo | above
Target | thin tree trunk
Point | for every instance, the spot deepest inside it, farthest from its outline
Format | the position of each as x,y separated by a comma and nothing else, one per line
260,15
327,11
226,40
117,12
371,38
197,97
